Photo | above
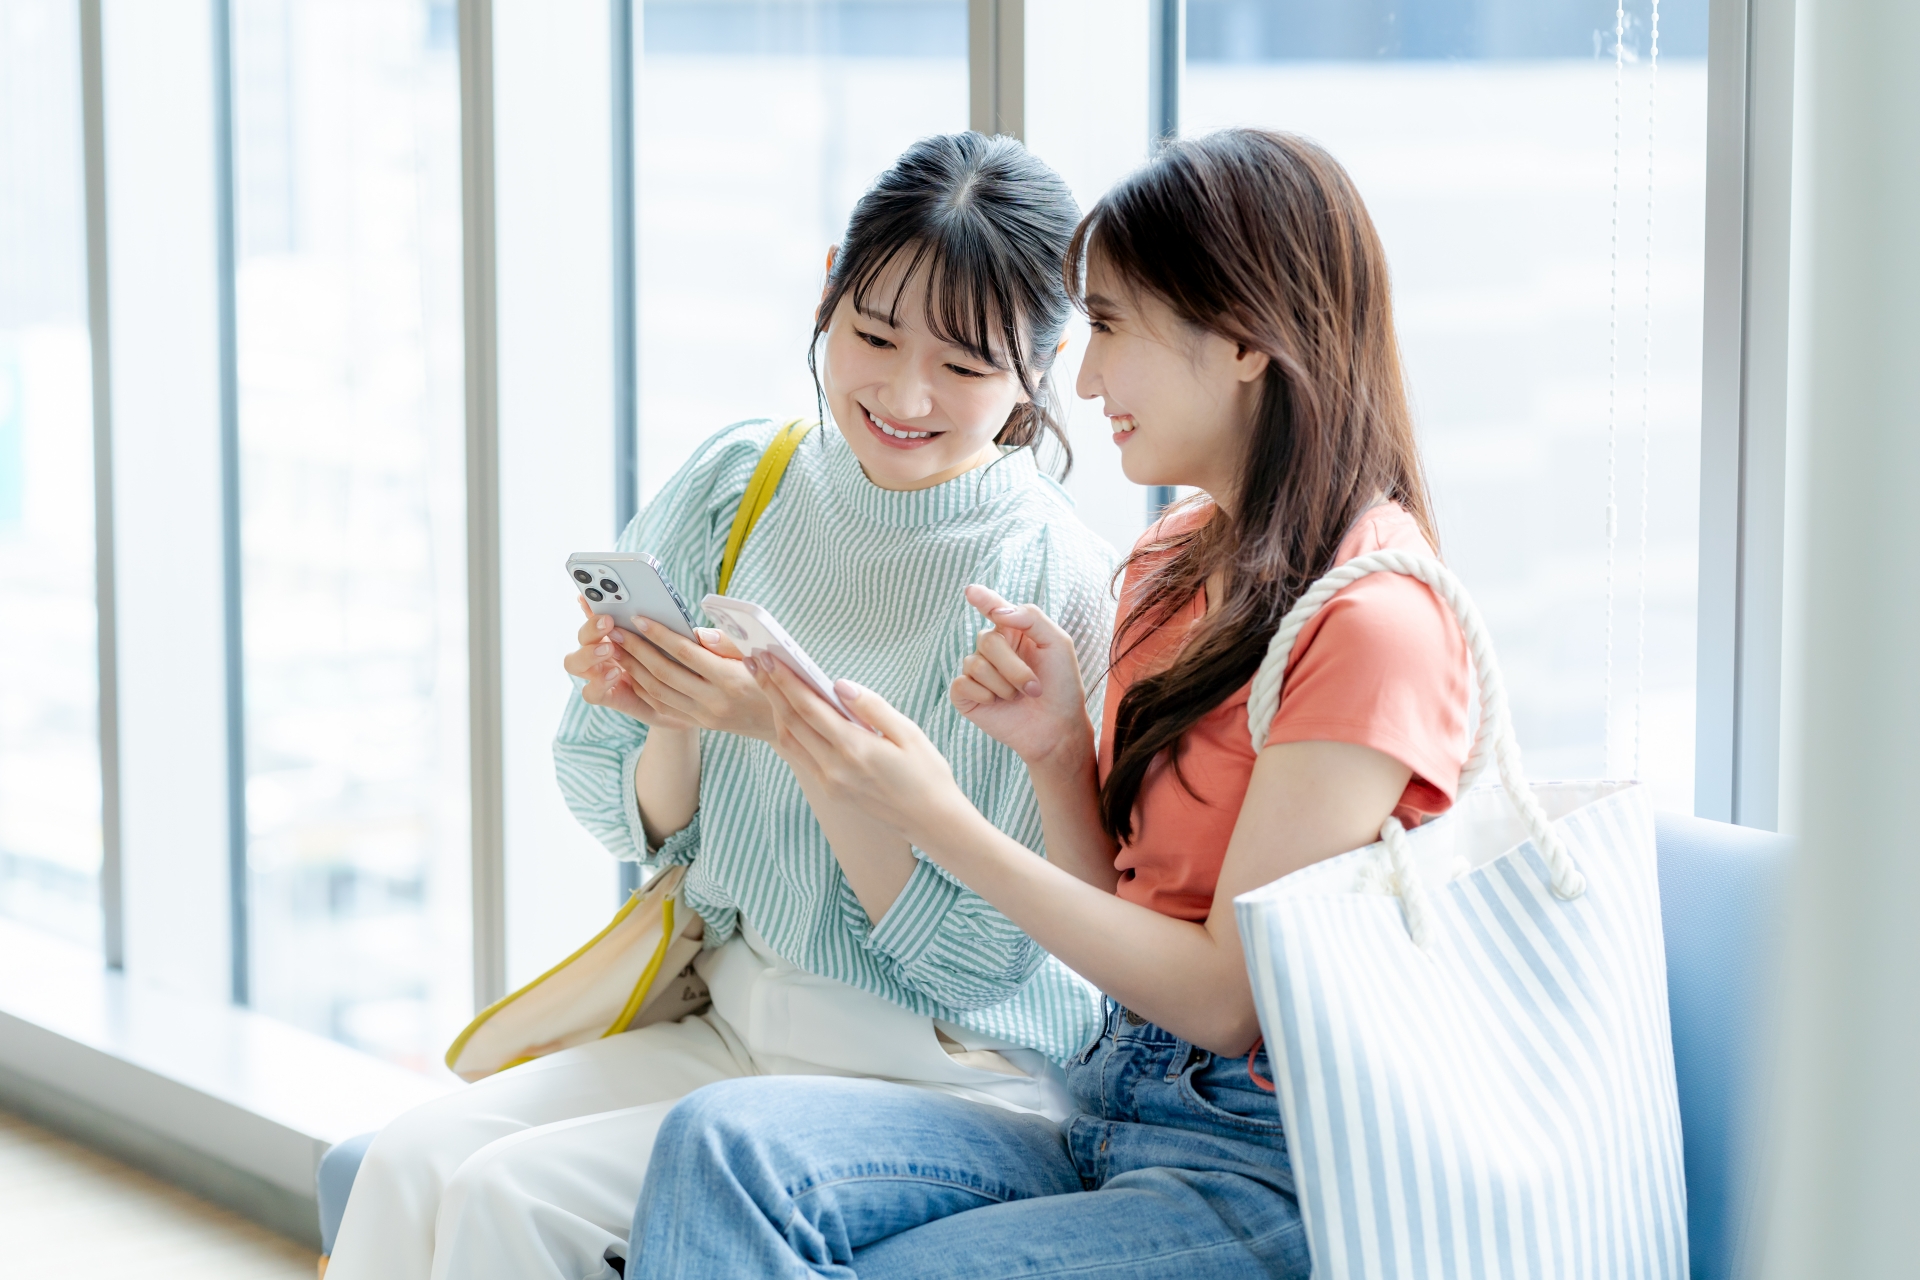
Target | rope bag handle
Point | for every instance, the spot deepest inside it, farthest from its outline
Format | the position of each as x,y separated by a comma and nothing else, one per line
1493,740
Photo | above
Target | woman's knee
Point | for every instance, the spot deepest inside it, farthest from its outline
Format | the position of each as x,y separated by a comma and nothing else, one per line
408,1140
709,1118
771,1119
431,1141
484,1185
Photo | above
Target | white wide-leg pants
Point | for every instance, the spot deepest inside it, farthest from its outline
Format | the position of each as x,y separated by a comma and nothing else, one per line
535,1172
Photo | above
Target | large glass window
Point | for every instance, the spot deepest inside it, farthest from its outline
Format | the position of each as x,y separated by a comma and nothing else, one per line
1538,184
49,743
347,172
759,126
1516,180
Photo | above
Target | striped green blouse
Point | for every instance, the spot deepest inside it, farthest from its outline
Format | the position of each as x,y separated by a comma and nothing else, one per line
870,583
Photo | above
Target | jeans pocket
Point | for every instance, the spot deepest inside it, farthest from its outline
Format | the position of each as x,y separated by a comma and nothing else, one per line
1237,1105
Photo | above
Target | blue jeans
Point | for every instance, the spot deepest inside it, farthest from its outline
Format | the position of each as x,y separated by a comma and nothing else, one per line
1176,1166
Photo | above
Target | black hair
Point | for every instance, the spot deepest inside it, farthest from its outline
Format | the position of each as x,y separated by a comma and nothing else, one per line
991,225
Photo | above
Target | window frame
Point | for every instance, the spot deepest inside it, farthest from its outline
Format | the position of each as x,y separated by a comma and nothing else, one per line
1740,670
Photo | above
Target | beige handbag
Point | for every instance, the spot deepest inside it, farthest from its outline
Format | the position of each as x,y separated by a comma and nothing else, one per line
639,969
610,985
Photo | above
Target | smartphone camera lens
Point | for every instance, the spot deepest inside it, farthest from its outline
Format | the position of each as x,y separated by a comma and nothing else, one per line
581,575
594,595
610,586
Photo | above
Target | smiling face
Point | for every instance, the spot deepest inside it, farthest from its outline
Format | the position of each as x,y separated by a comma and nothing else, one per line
1181,399
916,409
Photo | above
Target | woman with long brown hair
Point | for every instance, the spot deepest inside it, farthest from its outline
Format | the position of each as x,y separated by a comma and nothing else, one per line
1243,345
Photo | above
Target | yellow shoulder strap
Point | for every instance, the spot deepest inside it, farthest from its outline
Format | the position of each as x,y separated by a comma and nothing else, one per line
759,494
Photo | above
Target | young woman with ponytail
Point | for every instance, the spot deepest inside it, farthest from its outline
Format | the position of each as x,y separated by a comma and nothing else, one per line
1243,345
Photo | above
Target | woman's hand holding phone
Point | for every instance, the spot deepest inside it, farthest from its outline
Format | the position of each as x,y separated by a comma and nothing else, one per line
893,773
607,683
667,681
1021,684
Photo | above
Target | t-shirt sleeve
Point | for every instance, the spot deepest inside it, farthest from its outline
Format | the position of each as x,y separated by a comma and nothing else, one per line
1384,665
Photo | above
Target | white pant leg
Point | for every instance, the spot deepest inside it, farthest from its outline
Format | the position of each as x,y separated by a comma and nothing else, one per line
388,1232
542,1181
549,1203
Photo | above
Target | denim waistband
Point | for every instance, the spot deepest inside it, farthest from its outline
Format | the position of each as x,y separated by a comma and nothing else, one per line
1121,1021
1138,1072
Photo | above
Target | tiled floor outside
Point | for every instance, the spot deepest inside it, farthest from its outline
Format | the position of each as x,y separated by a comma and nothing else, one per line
67,1211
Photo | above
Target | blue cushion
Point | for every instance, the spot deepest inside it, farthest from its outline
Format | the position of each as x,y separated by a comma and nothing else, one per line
333,1181
1719,895
1719,902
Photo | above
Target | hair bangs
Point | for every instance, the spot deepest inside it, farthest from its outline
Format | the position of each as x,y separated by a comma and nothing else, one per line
966,299
983,224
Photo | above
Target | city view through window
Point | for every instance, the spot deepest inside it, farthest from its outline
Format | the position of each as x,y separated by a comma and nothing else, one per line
1538,184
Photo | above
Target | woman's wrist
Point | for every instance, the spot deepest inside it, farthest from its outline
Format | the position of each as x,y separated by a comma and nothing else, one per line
672,737
951,832
1069,755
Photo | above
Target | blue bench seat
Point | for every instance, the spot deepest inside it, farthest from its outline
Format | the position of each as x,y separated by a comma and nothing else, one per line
1720,892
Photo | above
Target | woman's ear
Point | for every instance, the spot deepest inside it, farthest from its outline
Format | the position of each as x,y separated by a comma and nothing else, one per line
833,251
1249,364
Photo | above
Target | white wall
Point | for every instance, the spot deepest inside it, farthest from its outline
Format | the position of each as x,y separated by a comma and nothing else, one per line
1847,1114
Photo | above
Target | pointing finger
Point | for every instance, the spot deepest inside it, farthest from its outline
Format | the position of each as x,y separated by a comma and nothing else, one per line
986,599
1004,614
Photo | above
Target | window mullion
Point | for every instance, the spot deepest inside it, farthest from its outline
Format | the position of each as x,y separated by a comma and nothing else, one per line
483,502
99,331
1744,400
996,64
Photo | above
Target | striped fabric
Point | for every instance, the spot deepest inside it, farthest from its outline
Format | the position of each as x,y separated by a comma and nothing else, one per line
1469,1021
1501,1102
870,583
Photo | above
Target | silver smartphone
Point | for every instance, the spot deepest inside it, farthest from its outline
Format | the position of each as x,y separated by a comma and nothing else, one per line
754,631
621,584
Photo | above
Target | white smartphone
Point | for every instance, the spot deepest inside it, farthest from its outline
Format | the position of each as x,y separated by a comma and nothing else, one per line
754,631
624,583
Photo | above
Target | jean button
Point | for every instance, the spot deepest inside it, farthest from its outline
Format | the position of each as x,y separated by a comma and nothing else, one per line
1135,1020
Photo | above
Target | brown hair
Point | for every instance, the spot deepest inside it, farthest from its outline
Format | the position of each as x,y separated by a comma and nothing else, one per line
1261,238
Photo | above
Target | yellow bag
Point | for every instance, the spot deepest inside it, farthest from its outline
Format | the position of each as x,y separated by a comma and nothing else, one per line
606,987
615,982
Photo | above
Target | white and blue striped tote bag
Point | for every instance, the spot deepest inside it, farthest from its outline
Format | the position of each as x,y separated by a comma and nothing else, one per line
1468,1022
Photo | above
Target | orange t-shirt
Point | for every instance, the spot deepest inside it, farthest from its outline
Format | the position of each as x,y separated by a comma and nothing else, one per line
1383,664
